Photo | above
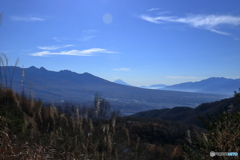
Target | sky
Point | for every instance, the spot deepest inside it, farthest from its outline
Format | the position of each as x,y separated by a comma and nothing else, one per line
140,42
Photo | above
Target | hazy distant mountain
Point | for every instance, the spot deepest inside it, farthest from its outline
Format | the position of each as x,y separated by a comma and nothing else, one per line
158,85
66,85
210,85
119,81
155,86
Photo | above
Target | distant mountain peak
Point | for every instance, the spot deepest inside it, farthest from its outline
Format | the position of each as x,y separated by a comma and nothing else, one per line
33,67
119,81
42,68
88,74
65,70
216,78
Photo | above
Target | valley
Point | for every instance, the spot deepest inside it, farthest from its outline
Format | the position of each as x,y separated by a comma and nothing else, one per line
68,86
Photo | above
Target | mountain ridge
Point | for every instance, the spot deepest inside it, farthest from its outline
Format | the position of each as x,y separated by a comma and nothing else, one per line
210,85
61,86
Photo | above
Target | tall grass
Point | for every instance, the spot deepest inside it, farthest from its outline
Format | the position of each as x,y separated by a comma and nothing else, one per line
31,130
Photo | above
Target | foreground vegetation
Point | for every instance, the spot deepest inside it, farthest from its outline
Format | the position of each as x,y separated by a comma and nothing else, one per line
30,130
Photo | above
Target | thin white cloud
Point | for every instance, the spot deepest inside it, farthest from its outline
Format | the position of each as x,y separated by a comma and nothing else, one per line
122,69
88,34
54,47
86,38
196,20
219,32
27,19
83,38
208,22
182,77
56,39
149,19
87,52
153,9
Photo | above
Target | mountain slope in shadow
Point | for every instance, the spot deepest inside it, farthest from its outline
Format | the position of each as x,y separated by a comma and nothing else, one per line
189,115
66,85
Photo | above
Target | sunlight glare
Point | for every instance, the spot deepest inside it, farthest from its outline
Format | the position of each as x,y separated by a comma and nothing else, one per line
107,18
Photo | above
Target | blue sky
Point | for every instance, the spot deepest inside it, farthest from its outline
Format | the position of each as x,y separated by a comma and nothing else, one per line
141,42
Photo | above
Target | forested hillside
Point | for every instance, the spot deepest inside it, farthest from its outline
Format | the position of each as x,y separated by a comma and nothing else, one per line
189,115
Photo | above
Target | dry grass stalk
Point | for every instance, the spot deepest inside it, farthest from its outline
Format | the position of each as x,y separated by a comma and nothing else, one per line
128,136
91,125
137,145
188,137
110,142
113,124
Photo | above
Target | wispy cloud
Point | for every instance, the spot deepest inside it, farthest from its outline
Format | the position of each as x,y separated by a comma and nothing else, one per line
86,38
122,69
219,32
27,19
209,22
54,47
182,77
83,38
150,19
88,34
153,9
87,52
56,39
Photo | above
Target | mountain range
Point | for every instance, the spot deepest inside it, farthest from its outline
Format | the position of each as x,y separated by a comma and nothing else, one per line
66,85
218,85
211,85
